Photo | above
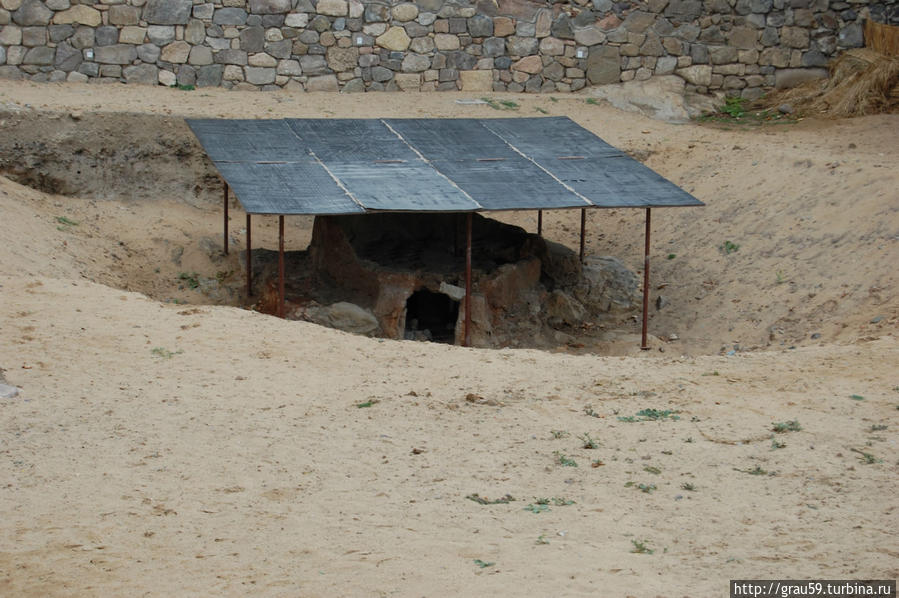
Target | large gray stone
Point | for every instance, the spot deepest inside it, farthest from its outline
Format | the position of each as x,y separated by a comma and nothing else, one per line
148,53
379,73
480,26
142,74
115,54
210,75
40,55
229,16
603,65
697,74
416,63
313,65
238,57
8,392
561,27
493,47
589,36
269,7
200,56
851,36
161,34
106,36
260,75
521,46
682,11
195,32
607,285
32,13
252,39
322,83
67,58
345,316
281,49
122,14
2,55
167,12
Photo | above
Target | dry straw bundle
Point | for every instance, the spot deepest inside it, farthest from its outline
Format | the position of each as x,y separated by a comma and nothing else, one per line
862,81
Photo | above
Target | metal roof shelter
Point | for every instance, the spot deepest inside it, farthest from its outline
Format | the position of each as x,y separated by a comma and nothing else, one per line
358,166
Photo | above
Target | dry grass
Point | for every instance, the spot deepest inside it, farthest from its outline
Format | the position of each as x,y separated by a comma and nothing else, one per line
861,82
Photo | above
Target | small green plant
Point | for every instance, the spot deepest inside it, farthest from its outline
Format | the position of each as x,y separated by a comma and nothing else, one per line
483,500
553,99
589,443
640,547
857,397
757,470
878,427
776,444
536,509
223,275
559,502
866,458
164,353
592,101
689,487
65,221
541,110
588,410
651,415
652,469
671,256
647,488
780,277
501,105
689,440
541,540
729,247
483,564
787,426
191,279
183,87
734,107
597,463
563,460
557,434
367,403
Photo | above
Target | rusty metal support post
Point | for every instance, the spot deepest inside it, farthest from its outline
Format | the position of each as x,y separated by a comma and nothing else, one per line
539,223
249,258
467,341
583,230
226,218
281,266
643,344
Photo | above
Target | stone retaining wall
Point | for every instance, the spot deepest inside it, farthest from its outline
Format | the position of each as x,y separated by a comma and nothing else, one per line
741,46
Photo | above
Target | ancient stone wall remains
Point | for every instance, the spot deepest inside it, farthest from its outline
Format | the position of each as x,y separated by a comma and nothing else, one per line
740,46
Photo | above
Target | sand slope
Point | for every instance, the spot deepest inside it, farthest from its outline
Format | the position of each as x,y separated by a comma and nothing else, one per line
161,449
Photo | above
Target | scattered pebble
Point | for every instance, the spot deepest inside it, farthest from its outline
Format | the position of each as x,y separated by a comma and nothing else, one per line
876,319
8,392
816,336
785,109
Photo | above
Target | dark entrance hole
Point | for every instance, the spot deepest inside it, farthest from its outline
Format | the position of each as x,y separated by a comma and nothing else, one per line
431,316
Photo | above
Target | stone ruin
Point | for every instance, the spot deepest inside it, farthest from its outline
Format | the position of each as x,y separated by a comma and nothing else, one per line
402,276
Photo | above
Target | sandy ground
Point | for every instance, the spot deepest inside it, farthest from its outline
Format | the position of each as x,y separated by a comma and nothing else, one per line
166,449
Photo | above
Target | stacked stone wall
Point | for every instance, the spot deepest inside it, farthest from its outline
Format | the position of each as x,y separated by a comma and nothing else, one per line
740,46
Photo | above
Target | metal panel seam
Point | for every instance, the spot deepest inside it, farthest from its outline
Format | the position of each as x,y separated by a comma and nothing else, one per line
538,165
428,162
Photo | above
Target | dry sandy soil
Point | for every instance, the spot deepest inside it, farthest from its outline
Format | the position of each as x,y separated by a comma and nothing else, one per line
168,449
